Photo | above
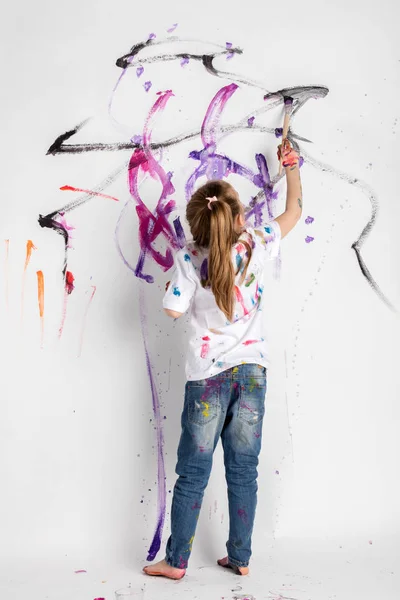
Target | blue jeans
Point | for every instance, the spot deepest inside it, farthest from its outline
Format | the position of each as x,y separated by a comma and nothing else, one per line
229,405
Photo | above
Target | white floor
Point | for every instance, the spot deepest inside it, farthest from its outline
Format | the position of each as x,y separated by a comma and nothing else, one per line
307,570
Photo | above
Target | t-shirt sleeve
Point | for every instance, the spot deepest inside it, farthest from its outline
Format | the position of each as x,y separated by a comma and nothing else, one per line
270,236
182,284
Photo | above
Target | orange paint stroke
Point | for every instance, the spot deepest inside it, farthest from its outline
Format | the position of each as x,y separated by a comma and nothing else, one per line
40,285
29,247
7,243
84,319
70,188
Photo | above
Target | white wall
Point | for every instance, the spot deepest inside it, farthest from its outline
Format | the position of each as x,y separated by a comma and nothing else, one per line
78,449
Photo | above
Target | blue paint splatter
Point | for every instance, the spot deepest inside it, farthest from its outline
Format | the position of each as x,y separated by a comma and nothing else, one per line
176,291
268,229
219,364
187,257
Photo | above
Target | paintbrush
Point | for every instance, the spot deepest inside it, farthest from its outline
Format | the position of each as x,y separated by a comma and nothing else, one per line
288,102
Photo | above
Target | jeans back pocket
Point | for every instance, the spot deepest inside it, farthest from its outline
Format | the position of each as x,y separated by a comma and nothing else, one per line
202,398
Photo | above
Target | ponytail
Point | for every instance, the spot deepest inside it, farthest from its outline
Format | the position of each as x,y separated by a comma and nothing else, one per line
221,276
211,223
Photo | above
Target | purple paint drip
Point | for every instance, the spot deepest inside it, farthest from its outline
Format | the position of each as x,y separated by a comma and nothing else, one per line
171,29
161,483
309,220
309,239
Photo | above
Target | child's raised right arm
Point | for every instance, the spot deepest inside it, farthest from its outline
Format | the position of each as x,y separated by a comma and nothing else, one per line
294,196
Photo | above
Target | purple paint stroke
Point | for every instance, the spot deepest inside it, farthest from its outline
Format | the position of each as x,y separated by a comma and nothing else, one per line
184,61
228,45
180,234
139,71
147,85
250,121
278,132
230,55
152,36
137,139
309,220
172,28
152,225
161,482
309,239
217,166
204,270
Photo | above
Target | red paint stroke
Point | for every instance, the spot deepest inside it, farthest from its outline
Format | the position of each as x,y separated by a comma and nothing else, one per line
84,319
6,286
29,247
68,288
70,188
248,342
69,282
40,286
240,299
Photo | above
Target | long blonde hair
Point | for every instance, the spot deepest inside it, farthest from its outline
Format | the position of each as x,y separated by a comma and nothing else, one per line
212,227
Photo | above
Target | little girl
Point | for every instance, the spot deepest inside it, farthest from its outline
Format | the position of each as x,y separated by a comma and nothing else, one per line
219,277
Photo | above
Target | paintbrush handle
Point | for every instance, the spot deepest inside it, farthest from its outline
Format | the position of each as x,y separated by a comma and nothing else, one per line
284,135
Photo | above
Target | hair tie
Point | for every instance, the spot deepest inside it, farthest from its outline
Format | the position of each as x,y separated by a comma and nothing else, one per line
213,199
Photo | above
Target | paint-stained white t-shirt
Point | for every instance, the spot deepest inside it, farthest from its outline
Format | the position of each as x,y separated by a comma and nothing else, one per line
215,344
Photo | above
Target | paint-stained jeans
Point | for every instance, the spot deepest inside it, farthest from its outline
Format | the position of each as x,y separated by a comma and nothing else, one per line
229,405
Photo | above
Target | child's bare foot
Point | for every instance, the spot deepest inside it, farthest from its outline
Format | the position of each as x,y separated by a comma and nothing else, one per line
224,562
163,569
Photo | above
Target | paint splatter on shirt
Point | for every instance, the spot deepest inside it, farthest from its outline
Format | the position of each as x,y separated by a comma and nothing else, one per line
216,344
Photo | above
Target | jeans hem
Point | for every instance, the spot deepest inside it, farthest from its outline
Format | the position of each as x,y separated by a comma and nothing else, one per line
237,563
172,564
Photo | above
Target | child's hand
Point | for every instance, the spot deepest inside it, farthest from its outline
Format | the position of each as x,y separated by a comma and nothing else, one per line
290,156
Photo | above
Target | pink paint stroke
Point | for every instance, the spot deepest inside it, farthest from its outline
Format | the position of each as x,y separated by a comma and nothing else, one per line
205,348
152,225
240,299
84,319
248,342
